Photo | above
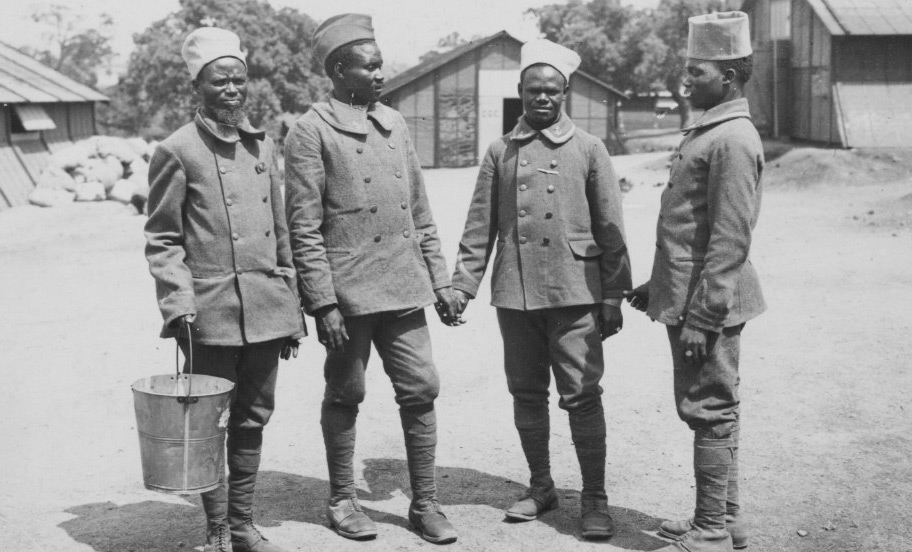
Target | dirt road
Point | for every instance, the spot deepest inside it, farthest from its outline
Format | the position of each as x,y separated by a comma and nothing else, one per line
826,376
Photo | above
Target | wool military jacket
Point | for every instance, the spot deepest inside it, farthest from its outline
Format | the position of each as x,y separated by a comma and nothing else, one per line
362,233
702,271
551,202
217,242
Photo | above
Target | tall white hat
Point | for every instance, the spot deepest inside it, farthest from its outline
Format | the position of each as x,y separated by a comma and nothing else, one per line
207,44
550,53
719,36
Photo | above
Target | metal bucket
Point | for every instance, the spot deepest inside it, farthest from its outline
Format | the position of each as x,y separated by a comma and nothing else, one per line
181,419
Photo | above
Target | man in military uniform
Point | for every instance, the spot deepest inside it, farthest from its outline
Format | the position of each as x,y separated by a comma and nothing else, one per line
366,249
703,286
217,245
548,197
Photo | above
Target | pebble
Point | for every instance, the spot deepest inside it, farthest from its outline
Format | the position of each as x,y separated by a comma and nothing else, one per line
802,533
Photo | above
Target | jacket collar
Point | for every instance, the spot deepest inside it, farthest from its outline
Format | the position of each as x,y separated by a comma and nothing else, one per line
346,118
725,111
226,133
558,133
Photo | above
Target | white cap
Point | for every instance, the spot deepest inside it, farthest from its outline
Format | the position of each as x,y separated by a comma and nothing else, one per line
207,44
550,53
719,36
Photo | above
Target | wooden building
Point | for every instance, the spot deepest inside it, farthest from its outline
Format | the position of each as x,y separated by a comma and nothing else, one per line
833,71
41,111
459,102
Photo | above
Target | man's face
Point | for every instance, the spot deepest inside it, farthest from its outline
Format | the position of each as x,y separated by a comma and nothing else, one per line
222,85
363,76
542,90
704,84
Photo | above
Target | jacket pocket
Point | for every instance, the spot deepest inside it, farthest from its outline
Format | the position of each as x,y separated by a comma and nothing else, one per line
584,247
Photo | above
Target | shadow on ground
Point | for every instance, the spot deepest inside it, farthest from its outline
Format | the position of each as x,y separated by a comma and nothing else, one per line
107,527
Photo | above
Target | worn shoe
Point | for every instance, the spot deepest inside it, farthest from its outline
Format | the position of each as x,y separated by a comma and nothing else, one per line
701,540
595,521
247,538
736,526
218,537
349,520
430,523
533,503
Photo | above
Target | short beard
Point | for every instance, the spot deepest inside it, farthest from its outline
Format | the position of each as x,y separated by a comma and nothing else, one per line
233,116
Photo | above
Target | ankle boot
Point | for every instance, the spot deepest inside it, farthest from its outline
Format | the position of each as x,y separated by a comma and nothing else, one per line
734,524
215,504
533,423
419,425
243,464
587,427
343,509
712,458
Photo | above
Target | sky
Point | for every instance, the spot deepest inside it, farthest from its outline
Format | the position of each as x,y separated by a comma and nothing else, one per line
405,29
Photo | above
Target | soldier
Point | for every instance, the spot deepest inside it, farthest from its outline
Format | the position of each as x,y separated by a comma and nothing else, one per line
547,195
703,286
217,245
367,252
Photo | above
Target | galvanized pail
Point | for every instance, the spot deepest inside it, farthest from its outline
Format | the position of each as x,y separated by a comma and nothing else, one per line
181,419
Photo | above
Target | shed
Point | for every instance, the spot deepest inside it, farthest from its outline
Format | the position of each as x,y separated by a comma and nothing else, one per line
833,71
41,111
459,102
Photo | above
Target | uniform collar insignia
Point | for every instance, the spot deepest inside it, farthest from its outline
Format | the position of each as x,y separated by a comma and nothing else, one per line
726,111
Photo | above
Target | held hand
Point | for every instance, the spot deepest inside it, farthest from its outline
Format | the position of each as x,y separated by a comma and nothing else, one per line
447,307
290,348
693,342
331,328
185,322
611,320
638,297
462,300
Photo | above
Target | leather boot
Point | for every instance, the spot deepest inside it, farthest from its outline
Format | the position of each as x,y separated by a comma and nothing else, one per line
533,423
343,509
587,428
215,504
243,464
419,425
734,522
712,458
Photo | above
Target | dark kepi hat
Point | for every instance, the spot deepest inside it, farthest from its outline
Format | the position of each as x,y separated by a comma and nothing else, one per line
339,30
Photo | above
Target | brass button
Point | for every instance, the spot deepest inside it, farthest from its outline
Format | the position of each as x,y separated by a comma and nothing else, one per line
406,233
523,188
553,163
373,208
229,203
549,215
360,149
235,236
223,170
268,232
523,163
377,238
398,174
550,189
240,271
523,212
522,239
367,179
392,145
404,205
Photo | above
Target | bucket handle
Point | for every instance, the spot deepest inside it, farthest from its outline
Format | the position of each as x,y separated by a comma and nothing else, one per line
189,398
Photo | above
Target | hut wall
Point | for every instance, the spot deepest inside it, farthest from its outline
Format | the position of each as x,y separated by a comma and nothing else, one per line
591,106
457,113
81,120
811,82
416,103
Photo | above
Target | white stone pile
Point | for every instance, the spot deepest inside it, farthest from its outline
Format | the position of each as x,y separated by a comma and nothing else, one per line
96,169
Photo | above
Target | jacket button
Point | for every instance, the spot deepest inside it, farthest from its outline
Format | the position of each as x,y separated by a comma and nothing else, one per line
360,149
550,189
392,145
523,163
406,233
229,203
549,215
398,174
553,163
670,185
523,213
223,170
268,232
240,271
367,179
522,239
404,205
377,238
523,188
546,241
373,208
235,236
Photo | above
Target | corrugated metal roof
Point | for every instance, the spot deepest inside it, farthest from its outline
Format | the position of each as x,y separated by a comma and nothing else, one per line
865,17
25,80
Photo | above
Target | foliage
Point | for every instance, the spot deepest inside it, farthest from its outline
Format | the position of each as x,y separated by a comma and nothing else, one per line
155,96
75,47
444,45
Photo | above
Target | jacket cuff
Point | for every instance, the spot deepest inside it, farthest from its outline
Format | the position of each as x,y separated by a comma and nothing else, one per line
312,305
698,320
176,305
464,285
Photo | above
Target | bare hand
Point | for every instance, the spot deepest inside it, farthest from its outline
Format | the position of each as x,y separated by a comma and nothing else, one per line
290,348
462,300
331,328
447,307
638,297
693,342
611,320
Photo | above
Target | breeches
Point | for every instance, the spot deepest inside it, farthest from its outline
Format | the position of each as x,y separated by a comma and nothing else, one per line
707,395
564,340
403,342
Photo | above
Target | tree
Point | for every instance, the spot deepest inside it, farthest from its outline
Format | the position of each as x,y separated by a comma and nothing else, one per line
155,97
75,47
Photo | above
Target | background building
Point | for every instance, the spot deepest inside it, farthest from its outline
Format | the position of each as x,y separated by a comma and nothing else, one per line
459,102
833,71
41,111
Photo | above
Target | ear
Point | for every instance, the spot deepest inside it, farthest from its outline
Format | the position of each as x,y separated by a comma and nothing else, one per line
729,76
338,70
519,88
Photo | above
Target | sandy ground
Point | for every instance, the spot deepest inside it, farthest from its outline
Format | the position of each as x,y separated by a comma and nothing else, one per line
826,380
